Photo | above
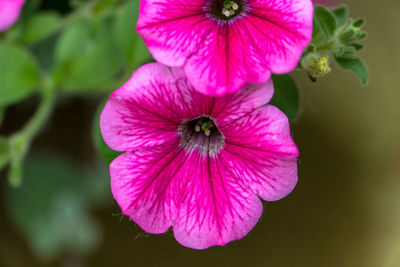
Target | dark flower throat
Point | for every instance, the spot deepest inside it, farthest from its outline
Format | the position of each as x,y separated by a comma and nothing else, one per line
201,134
225,9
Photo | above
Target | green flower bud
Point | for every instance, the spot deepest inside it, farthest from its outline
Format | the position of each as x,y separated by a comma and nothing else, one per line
351,31
315,64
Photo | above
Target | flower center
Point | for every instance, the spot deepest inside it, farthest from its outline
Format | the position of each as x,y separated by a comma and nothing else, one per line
230,8
201,134
225,9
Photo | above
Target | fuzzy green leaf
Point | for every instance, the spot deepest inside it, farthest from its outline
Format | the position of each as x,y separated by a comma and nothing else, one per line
341,15
325,20
286,96
355,65
359,22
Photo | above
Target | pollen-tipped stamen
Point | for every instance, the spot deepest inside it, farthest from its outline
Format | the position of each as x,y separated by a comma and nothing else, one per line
230,8
201,134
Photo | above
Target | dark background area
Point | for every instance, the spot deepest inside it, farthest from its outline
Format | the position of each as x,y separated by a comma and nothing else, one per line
345,210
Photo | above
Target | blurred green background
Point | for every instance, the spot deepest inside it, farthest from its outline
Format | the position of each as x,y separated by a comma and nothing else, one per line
345,210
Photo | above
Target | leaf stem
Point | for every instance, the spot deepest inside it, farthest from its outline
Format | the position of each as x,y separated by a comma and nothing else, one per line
20,142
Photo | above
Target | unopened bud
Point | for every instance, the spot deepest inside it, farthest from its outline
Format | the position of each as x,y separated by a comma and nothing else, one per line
351,31
315,64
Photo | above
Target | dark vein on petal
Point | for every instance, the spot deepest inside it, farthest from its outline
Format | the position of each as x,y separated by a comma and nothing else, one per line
158,173
273,23
169,20
212,191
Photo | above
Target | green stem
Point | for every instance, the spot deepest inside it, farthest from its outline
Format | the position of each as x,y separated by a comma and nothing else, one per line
20,142
41,115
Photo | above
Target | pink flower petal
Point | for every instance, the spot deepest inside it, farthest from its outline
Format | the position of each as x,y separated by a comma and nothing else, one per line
260,150
282,30
214,208
140,184
226,61
158,188
141,113
172,30
9,12
219,56
146,111
233,106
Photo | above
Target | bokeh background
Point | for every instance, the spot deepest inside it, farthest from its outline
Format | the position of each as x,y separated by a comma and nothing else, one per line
345,210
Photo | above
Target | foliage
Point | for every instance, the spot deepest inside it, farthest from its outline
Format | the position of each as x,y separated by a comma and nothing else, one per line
92,49
51,207
335,33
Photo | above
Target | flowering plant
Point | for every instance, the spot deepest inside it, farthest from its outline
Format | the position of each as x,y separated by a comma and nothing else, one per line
204,133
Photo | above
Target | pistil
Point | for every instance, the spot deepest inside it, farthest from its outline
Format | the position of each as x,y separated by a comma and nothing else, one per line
230,8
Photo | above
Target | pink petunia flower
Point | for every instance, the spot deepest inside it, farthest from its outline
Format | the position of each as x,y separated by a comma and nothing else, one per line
223,44
9,12
195,162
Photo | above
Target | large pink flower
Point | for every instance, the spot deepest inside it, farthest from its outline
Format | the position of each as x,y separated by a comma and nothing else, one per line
223,44
195,162
9,12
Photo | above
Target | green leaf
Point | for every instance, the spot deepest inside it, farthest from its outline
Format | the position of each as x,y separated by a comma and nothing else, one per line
286,96
341,15
357,46
87,57
107,154
19,74
129,41
318,37
4,152
51,209
356,66
359,22
346,51
40,27
72,43
325,21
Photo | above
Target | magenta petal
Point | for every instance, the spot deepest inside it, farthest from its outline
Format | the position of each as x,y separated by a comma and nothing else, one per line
233,106
140,184
260,150
146,111
141,114
281,31
226,61
172,30
9,12
214,208
220,56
